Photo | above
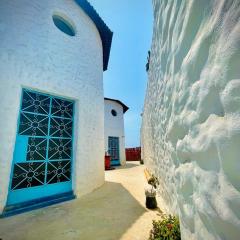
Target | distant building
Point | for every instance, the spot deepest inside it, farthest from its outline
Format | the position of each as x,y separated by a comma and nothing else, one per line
114,130
52,55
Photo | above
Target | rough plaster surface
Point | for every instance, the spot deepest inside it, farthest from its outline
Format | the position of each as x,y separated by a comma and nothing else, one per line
114,126
34,54
191,120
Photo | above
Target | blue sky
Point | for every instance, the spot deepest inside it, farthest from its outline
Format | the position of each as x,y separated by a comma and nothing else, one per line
126,78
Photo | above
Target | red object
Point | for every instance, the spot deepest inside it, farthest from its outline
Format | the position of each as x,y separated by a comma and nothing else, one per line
107,162
133,154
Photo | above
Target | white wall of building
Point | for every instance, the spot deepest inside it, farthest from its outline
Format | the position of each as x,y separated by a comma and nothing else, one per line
34,54
114,126
191,120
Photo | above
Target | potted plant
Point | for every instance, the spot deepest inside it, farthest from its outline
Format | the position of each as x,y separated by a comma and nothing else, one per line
167,228
107,161
150,192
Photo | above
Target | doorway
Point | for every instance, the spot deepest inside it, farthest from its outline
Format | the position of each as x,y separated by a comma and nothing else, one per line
113,150
42,159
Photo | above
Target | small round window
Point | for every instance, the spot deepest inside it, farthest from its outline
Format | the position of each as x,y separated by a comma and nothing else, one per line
114,113
63,25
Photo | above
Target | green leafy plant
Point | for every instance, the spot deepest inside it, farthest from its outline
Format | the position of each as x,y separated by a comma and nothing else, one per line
166,229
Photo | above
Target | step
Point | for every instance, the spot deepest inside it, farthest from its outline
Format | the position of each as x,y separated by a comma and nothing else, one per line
36,204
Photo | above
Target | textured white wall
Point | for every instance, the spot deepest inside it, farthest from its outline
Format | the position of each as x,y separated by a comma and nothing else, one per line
35,54
191,121
114,126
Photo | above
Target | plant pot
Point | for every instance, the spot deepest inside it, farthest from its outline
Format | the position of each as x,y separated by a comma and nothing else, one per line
151,202
107,162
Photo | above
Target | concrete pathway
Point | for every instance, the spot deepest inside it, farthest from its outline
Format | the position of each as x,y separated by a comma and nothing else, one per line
116,211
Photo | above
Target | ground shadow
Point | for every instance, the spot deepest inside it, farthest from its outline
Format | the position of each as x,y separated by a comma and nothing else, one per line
129,165
105,214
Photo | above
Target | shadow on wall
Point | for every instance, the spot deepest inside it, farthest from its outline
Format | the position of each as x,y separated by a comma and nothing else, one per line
104,214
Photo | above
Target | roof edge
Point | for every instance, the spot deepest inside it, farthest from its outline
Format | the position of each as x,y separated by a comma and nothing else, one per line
105,33
125,107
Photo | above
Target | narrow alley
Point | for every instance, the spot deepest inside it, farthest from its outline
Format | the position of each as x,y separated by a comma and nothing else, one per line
115,211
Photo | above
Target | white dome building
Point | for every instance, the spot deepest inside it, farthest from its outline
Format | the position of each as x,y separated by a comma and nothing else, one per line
52,57
114,130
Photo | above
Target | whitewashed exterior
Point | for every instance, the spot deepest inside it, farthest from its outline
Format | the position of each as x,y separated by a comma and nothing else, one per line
36,55
191,119
114,126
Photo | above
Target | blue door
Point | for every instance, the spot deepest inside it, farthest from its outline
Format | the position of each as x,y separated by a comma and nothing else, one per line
42,161
113,150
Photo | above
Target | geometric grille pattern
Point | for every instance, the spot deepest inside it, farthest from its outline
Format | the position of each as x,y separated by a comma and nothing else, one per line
59,149
60,127
28,175
113,147
62,108
35,103
37,149
59,171
33,124
47,122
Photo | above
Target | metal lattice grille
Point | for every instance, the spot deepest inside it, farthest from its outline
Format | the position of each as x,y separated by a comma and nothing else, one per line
28,175
113,147
47,123
37,149
58,171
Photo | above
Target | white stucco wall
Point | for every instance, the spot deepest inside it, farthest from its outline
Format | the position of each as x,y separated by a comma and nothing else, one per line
35,54
191,120
114,126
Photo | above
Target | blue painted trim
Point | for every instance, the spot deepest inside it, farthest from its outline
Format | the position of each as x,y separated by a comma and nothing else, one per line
12,210
46,115
53,192
115,163
105,33
12,166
